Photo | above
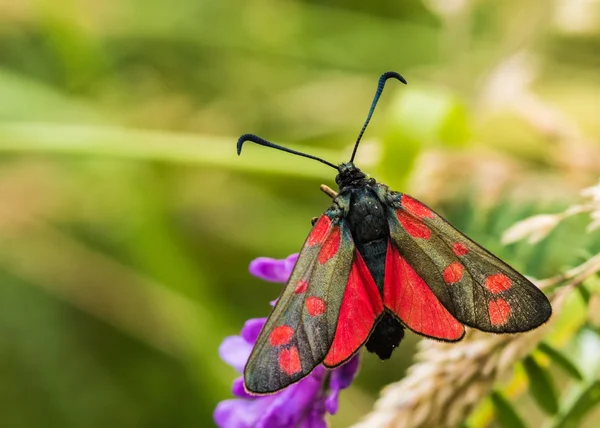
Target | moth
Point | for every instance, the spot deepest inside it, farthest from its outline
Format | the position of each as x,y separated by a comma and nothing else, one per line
377,262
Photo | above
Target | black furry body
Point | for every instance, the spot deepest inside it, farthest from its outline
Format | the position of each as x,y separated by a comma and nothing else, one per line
370,232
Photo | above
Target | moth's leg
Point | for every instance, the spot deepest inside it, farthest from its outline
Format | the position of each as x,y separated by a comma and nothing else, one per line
328,191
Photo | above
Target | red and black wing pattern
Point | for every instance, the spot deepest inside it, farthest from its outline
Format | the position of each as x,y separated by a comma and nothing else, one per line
432,261
301,328
409,297
361,307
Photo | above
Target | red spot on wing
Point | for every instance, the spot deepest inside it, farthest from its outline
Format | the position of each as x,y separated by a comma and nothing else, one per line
499,311
331,246
415,207
281,335
459,249
498,283
453,272
319,231
407,295
415,228
315,306
289,361
361,305
301,287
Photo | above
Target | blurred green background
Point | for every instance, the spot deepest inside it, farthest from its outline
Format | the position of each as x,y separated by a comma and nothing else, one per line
127,221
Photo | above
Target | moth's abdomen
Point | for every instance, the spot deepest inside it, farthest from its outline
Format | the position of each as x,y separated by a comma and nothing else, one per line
386,337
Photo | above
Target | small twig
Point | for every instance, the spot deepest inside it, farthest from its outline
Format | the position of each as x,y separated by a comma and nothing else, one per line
577,274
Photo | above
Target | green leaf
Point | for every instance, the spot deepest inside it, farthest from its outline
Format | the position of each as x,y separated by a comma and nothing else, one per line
561,360
541,386
584,293
582,397
586,401
26,99
506,415
169,147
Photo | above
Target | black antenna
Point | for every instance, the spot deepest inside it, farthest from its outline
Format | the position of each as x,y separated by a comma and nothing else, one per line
262,142
380,85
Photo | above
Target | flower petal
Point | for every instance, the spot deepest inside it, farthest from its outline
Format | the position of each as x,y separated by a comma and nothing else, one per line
341,378
315,418
291,404
234,350
239,390
252,329
290,262
272,270
331,403
239,413
228,414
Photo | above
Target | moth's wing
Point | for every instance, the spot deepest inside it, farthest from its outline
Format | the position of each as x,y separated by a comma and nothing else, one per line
411,299
301,328
474,286
361,307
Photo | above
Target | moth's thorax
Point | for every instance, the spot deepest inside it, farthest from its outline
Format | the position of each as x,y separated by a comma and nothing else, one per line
366,216
369,228
351,176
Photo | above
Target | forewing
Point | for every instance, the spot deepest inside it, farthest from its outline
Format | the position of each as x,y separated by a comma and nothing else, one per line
301,327
476,287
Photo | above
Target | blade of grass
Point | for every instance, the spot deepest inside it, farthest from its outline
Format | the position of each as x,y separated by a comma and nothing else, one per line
200,150
506,415
541,386
561,360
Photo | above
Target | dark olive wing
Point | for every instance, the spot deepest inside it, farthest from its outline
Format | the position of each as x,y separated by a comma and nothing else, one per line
477,288
301,328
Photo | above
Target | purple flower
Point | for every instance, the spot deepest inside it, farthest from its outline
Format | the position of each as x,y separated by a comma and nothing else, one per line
303,404
273,270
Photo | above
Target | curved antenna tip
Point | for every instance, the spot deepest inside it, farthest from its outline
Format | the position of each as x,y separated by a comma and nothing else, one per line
241,142
390,74
260,141
385,76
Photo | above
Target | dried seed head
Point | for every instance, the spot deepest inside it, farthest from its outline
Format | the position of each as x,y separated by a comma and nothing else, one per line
534,229
449,379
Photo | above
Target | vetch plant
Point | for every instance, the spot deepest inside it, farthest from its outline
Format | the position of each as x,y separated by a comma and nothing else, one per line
303,404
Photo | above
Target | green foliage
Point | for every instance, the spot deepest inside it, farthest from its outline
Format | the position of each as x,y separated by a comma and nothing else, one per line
561,360
541,386
506,415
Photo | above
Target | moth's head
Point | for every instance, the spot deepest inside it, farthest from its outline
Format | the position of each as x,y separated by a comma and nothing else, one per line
348,174
347,168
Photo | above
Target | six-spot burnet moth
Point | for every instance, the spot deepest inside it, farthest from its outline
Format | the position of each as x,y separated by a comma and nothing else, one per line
375,262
